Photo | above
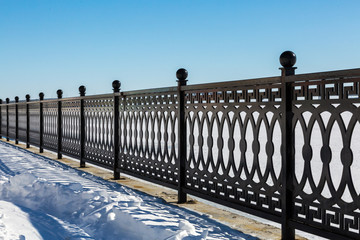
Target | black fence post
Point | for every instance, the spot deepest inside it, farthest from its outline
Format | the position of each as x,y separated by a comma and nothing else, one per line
82,90
181,75
27,121
287,60
7,119
1,122
16,120
116,87
41,121
59,124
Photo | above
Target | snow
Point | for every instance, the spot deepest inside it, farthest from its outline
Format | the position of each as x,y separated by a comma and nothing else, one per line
44,199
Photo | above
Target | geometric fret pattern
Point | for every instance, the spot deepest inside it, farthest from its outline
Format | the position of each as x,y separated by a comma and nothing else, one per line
22,121
3,119
70,113
12,121
327,154
148,136
34,113
233,136
99,145
50,113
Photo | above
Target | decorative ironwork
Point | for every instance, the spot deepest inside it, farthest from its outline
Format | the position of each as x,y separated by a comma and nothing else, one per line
99,130
3,119
327,129
22,121
283,148
71,128
34,131
148,136
12,121
50,112
227,157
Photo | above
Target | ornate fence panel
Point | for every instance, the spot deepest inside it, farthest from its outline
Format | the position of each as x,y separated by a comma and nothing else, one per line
98,113
233,150
3,120
50,112
148,135
22,121
327,155
34,114
12,121
283,148
71,127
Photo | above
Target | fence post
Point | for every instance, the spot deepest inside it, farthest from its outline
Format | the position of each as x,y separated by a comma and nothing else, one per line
59,124
27,121
41,121
16,120
287,60
116,87
7,119
1,122
181,75
82,90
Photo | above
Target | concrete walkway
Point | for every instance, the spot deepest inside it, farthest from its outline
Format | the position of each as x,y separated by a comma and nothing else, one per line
235,221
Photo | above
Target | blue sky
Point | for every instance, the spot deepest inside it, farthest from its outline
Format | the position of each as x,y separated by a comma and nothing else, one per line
50,44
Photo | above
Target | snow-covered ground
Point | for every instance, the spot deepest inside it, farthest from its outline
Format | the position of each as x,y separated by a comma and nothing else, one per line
44,199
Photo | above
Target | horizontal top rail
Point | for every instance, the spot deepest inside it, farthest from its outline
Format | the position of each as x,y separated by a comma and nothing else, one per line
324,75
151,90
236,83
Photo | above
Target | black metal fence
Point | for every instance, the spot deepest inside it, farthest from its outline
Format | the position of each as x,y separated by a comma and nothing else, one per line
283,148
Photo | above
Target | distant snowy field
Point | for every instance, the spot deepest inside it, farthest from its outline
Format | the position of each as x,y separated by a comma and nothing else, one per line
43,199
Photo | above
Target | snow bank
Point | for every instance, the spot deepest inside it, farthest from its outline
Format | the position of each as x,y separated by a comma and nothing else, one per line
53,201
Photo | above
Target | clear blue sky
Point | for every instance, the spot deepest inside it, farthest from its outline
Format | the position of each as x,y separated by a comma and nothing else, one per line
50,44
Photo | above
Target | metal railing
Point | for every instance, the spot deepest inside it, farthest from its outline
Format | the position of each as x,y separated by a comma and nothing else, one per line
283,148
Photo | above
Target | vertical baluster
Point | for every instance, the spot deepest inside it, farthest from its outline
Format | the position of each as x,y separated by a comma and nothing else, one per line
41,122
82,90
16,120
116,87
27,121
287,60
59,124
181,75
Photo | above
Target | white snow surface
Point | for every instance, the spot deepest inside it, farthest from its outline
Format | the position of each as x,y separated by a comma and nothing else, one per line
44,199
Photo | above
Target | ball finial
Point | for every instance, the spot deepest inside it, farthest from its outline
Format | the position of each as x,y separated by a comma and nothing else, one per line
41,95
287,59
82,90
16,99
0,101
27,97
59,93
116,85
7,100
181,74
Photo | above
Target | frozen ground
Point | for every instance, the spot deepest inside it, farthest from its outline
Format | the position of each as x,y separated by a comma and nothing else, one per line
43,199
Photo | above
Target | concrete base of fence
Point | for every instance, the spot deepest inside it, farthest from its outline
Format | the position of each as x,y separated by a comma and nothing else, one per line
235,221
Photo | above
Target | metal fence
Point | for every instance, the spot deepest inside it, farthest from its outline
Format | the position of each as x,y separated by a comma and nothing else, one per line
283,148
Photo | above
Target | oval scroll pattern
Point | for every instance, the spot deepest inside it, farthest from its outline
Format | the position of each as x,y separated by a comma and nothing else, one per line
12,122
50,113
3,120
99,131
34,113
148,136
231,146
326,190
22,121
71,128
